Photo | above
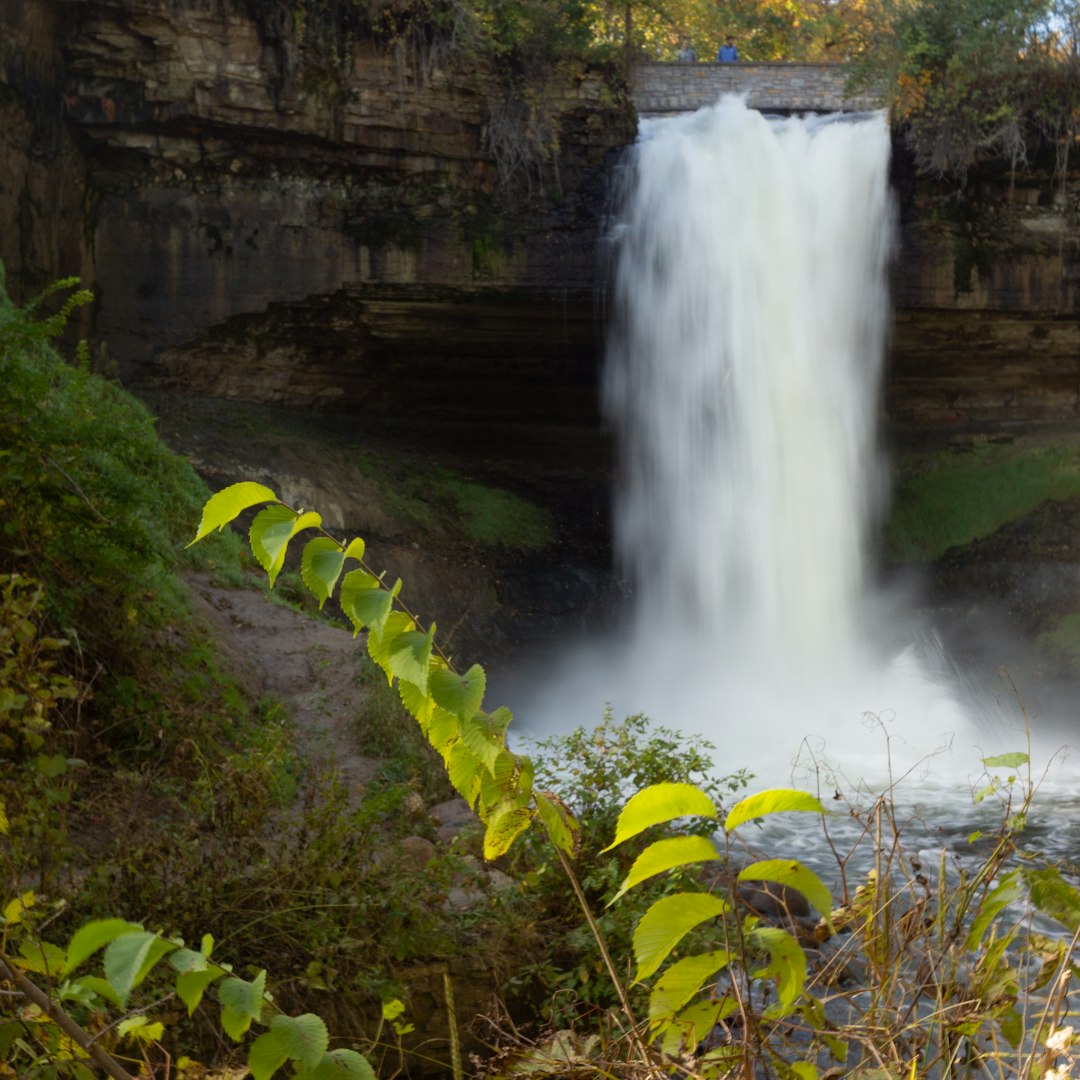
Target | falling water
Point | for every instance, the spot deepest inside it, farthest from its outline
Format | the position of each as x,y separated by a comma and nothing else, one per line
742,382
743,378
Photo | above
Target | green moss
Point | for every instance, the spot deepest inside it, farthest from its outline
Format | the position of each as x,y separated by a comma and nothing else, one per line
1063,641
438,498
946,500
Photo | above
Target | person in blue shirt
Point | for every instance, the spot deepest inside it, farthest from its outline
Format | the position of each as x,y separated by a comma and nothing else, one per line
728,54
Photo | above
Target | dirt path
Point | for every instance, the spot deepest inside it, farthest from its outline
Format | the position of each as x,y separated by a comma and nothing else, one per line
311,667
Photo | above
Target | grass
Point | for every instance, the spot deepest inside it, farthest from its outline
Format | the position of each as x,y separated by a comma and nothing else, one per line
439,498
946,500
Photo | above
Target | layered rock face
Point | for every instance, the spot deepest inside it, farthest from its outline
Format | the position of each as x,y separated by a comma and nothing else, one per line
987,292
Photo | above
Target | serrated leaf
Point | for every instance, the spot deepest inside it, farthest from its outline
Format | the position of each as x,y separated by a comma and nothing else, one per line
464,768
787,962
408,657
271,532
443,730
40,957
234,1024
791,873
666,855
129,958
304,1038
320,566
191,985
667,922
459,694
225,505
503,829
266,1056
419,705
380,642
354,549
365,602
660,803
93,936
187,960
681,982
561,825
1006,761
344,1064
774,801
244,998
483,738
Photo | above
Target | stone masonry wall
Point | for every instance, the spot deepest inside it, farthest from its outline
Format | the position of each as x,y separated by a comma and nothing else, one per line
666,88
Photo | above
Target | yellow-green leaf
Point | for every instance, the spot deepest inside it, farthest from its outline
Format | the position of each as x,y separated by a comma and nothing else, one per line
667,922
320,566
271,532
659,803
666,855
787,962
561,825
774,801
366,604
503,829
93,936
681,982
460,694
13,910
226,504
303,1038
792,873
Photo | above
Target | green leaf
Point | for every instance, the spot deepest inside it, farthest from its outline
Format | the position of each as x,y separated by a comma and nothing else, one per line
304,1038
355,549
1054,896
320,566
344,1064
666,855
484,736
380,642
1008,891
503,829
787,962
140,1028
659,803
1006,761
419,705
443,730
191,985
242,1003
804,1070
667,922
774,801
97,985
221,508
561,825
681,982
459,694
464,769
266,1056
187,960
365,602
41,957
93,936
129,958
793,874
271,532
409,656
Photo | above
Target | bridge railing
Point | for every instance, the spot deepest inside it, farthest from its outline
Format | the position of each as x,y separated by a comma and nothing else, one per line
785,87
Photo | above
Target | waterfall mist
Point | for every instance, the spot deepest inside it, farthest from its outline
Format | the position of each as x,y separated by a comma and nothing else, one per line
742,381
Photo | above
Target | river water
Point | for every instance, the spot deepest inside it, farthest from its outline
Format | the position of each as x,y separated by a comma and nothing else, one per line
750,315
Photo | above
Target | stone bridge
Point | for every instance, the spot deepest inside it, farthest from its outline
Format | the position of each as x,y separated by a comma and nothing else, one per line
771,87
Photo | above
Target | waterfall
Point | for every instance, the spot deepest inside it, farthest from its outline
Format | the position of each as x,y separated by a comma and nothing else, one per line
743,377
742,382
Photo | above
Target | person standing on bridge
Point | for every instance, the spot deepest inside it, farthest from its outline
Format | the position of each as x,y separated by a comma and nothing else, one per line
728,54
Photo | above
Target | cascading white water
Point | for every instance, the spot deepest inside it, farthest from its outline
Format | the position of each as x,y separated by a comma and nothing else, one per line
743,378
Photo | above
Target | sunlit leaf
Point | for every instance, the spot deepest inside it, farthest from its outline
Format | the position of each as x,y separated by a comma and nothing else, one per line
682,981
660,803
561,825
1006,761
191,985
774,801
460,694
1009,890
503,829
130,957
791,873
271,532
365,602
226,504
320,566
787,962
667,922
666,855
